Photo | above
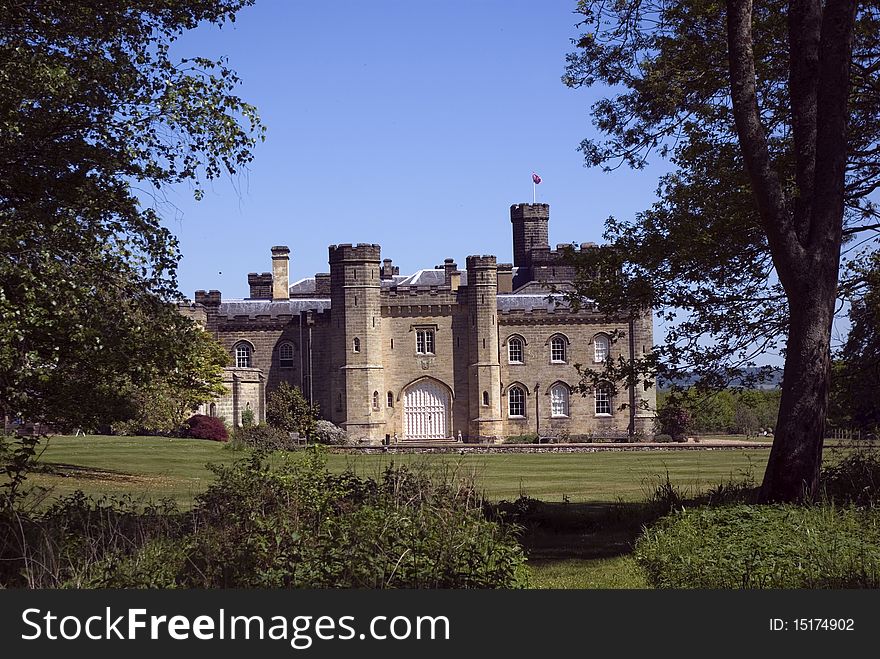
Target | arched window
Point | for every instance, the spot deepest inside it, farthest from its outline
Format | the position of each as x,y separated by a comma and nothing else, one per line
515,350
559,400
243,353
600,348
356,345
375,400
213,410
516,402
285,355
485,399
557,350
390,399
603,400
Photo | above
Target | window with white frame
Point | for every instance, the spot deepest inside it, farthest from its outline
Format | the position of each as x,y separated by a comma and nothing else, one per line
390,399
375,400
515,350
557,350
600,348
485,399
356,345
559,400
243,353
516,402
603,400
285,355
425,342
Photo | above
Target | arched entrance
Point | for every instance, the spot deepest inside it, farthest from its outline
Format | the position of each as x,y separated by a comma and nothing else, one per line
426,410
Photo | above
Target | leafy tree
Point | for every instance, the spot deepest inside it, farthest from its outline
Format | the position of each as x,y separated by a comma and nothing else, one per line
856,374
288,409
98,119
169,398
769,114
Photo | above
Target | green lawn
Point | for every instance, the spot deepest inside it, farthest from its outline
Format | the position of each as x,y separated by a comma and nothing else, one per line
161,467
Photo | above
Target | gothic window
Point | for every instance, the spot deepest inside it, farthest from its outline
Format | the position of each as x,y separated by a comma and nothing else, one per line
516,402
213,409
515,350
603,400
425,342
243,352
557,350
285,355
356,345
485,399
375,400
390,399
559,400
600,348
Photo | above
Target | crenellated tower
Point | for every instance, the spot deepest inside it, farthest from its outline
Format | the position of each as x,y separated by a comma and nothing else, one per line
484,400
356,344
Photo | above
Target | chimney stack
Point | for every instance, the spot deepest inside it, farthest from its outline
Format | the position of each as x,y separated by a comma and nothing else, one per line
280,272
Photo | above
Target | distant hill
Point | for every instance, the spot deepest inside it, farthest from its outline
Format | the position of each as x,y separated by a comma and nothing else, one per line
773,382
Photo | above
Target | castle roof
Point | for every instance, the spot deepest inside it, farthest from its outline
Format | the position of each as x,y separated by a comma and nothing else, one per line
530,302
271,308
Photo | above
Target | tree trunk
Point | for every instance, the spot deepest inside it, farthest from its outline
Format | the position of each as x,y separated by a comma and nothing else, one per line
793,468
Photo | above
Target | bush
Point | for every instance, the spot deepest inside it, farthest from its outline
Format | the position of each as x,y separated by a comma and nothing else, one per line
264,437
854,479
247,418
663,438
206,427
673,421
297,525
288,409
763,547
326,432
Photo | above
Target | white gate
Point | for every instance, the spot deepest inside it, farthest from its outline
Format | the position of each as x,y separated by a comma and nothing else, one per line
426,410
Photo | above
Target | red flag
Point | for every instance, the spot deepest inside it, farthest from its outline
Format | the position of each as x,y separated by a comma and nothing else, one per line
535,178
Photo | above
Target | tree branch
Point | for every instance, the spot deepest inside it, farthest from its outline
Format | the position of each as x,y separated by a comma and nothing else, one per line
753,143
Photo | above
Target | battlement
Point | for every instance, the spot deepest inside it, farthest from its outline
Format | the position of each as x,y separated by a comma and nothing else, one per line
209,299
355,253
280,251
529,211
477,262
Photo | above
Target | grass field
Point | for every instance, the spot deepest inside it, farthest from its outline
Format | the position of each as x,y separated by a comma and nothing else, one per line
593,497
161,467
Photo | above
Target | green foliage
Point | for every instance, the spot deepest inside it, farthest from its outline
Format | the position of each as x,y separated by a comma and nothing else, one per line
855,378
763,547
263,437
162,405
288,409
854,479
247,418
94,102
288,524
725,411
674,421
663,438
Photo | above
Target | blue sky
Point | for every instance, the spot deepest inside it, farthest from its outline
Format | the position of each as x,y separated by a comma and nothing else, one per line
410,124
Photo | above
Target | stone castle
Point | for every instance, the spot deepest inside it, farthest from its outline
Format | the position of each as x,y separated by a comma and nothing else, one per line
481,353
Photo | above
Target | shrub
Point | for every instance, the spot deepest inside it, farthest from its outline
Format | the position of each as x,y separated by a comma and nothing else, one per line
297,525
663,438
673,421
327,433
247,418
763,547
288,409
263,437
206,427
854,479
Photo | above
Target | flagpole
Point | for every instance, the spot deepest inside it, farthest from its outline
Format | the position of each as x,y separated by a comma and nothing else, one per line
534,192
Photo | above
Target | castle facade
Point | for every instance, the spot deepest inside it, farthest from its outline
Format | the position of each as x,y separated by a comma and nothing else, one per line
480,353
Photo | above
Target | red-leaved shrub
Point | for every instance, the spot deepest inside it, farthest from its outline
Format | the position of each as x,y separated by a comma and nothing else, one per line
207,427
